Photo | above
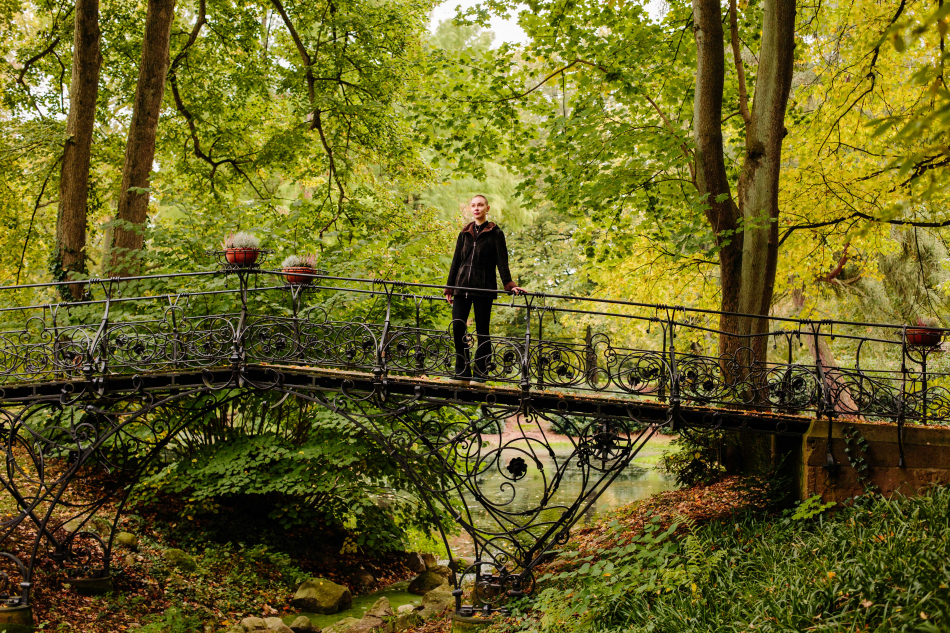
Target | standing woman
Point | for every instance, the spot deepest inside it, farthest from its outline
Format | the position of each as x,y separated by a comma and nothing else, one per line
479,250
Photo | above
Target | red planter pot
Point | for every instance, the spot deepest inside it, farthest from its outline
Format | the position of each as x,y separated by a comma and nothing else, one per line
296,275
242,256
923,337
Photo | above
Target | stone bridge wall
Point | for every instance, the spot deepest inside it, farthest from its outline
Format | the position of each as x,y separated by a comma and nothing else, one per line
926,460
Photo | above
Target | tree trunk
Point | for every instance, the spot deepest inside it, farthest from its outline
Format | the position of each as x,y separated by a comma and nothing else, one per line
759,180
747,259
711,179
128,232
70,255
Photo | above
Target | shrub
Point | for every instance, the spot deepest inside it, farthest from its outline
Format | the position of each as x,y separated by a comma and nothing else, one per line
878,565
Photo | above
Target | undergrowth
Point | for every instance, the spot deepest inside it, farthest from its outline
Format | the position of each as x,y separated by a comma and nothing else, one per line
877,565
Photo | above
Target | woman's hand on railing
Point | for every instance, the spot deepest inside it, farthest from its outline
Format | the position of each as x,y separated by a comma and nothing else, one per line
518,290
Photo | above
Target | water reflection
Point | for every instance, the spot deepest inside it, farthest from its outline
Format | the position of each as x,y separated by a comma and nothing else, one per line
527,494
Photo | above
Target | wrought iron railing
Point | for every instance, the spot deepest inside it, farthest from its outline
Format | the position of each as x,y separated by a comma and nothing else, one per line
544,342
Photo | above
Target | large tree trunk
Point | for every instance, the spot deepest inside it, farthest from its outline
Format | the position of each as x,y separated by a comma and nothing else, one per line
70,255
711,179
128,232
759,180
747,259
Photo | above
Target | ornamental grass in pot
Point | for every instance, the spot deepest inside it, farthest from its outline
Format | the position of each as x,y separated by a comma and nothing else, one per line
296,268
926,334
241,249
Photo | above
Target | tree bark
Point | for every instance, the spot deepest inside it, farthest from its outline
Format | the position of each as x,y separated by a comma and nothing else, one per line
128,232
759,179
70,255
711,178
748,252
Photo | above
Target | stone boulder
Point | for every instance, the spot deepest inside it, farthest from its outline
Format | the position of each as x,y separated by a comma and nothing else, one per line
436,602
343,626
381,609
426,582
322,596
127,540
302,624
429,560
253,624
406,621
415,563
442,570
363,578
405,608
460,564
180,560
276,624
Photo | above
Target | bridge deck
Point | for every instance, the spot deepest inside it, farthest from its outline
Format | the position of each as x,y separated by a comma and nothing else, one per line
436,389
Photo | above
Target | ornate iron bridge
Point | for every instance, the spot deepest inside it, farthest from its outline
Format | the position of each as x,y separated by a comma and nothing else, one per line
106,384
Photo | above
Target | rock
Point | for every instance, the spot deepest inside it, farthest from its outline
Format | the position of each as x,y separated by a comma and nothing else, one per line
180,560
406,621
342,626
442,570
381,609
303,625
405,608
460,564
319,595
363,578
402,585
253,624
415,563
129,560
273,623
429,560
367,624
426,582
127,540
437,602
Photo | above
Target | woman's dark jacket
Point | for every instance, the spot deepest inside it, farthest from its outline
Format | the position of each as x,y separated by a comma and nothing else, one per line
475,260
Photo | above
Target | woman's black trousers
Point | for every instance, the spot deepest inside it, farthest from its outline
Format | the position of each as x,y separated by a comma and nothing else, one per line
461,307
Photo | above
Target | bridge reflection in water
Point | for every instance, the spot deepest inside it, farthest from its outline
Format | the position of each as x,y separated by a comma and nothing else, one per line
105,385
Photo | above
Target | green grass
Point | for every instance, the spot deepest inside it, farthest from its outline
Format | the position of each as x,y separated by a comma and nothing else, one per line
881,565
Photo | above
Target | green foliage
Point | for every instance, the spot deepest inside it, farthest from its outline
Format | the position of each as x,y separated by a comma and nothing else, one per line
877,565
297,464
172,621
810,508
648,564
694,458
856,448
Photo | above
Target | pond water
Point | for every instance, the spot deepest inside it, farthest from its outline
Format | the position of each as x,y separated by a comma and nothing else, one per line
639,480
397,595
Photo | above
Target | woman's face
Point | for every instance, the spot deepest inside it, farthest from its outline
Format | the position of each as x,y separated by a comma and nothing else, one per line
479,209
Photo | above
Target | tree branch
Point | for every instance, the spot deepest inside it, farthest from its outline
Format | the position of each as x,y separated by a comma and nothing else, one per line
36,207
740,67
863,216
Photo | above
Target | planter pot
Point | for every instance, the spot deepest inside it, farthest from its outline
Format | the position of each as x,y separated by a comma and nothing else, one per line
296,274
242,256
923,337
